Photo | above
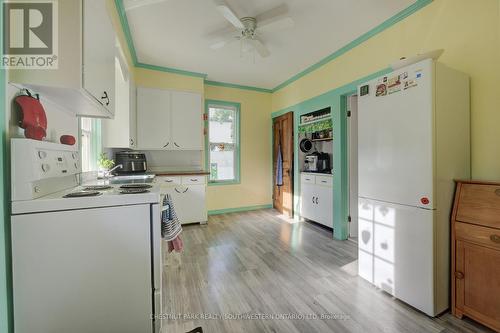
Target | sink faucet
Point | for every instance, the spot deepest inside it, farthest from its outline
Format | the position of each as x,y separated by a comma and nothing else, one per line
107,174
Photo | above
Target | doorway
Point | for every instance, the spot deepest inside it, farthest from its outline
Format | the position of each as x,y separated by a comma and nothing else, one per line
283,164
352,112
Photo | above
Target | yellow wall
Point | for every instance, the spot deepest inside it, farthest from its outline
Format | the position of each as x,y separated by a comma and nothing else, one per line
255,134
468,31
163,80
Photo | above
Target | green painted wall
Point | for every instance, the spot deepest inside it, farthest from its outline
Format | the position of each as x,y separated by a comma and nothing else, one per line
335,99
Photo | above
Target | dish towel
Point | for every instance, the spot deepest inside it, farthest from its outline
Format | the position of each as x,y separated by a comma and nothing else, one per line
170,225
279,167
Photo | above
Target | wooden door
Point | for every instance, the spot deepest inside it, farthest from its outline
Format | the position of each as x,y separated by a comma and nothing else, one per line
477,279
283,137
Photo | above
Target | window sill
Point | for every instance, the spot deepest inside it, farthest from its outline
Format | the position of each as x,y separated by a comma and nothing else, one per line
224,182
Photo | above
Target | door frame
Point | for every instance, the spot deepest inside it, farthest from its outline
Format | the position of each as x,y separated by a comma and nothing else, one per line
293,174
349,157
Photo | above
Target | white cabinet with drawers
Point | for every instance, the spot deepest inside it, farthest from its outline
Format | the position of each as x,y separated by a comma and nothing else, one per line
188,195
316,194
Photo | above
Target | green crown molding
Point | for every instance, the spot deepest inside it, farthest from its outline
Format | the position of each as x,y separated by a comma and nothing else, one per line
237,86
417,5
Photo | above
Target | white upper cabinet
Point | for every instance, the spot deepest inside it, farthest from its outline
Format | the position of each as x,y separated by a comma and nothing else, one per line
83,83
153,118
187,120
120,132
98,53
169,120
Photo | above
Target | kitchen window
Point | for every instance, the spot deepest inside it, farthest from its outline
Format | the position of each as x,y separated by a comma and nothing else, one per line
223,142
90,143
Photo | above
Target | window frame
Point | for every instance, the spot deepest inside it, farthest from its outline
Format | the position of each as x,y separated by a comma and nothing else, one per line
237,162
95,143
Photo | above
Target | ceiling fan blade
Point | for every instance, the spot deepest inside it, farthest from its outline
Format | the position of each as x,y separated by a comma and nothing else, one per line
222,37
228,13
134,4
220,43
259,47
281,23
274,19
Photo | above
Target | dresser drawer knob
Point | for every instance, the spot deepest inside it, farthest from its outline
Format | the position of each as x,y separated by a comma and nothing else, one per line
497,192
459,275
495,238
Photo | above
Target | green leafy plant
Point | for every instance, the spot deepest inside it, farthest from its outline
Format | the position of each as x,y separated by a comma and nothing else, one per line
104,162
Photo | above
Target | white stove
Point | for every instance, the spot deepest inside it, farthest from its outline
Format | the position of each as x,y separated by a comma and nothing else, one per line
81,264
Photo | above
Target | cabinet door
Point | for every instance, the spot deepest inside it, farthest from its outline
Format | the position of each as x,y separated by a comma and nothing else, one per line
189,203
98,53
308,199
477,276
187,121
119,132
153,119
324,205
133,116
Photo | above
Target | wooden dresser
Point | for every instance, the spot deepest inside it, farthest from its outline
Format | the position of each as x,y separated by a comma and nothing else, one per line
475,248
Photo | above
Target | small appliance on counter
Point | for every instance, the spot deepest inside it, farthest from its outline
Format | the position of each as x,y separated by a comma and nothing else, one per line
324,163
311,162
317,162
131,162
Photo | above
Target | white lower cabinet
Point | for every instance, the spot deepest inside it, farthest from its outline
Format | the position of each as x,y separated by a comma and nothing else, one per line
316,196
188,195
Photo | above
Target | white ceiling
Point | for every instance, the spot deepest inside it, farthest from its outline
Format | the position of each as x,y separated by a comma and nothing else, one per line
176,34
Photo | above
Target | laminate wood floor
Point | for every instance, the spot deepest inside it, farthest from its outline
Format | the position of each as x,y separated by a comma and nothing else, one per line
256,264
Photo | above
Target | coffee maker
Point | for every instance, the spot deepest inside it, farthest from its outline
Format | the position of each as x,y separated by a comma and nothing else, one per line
311,162
323,164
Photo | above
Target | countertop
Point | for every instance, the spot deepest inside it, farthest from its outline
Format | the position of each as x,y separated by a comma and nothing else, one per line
316,173
180,173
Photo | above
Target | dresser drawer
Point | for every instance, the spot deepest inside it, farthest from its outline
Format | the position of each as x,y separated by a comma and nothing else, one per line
476,234
190,180
324,181
168,180
307,179
479,204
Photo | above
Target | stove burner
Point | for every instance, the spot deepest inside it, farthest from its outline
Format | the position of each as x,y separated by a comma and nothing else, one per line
135,186
97,187
133,191
80,194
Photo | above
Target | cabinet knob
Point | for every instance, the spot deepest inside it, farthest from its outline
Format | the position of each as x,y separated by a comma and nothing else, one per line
316,200
497,192
175,143
313,199
495,238
165,146
131,142
459,275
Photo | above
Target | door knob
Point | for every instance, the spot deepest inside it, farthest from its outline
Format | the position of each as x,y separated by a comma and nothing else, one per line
495,238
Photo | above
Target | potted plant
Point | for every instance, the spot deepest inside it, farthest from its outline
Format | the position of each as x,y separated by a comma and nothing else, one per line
105,164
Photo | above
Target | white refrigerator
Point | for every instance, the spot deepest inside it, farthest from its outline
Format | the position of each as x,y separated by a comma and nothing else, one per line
413,141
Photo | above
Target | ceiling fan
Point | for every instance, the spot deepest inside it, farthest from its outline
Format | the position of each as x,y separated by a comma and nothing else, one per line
249,29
